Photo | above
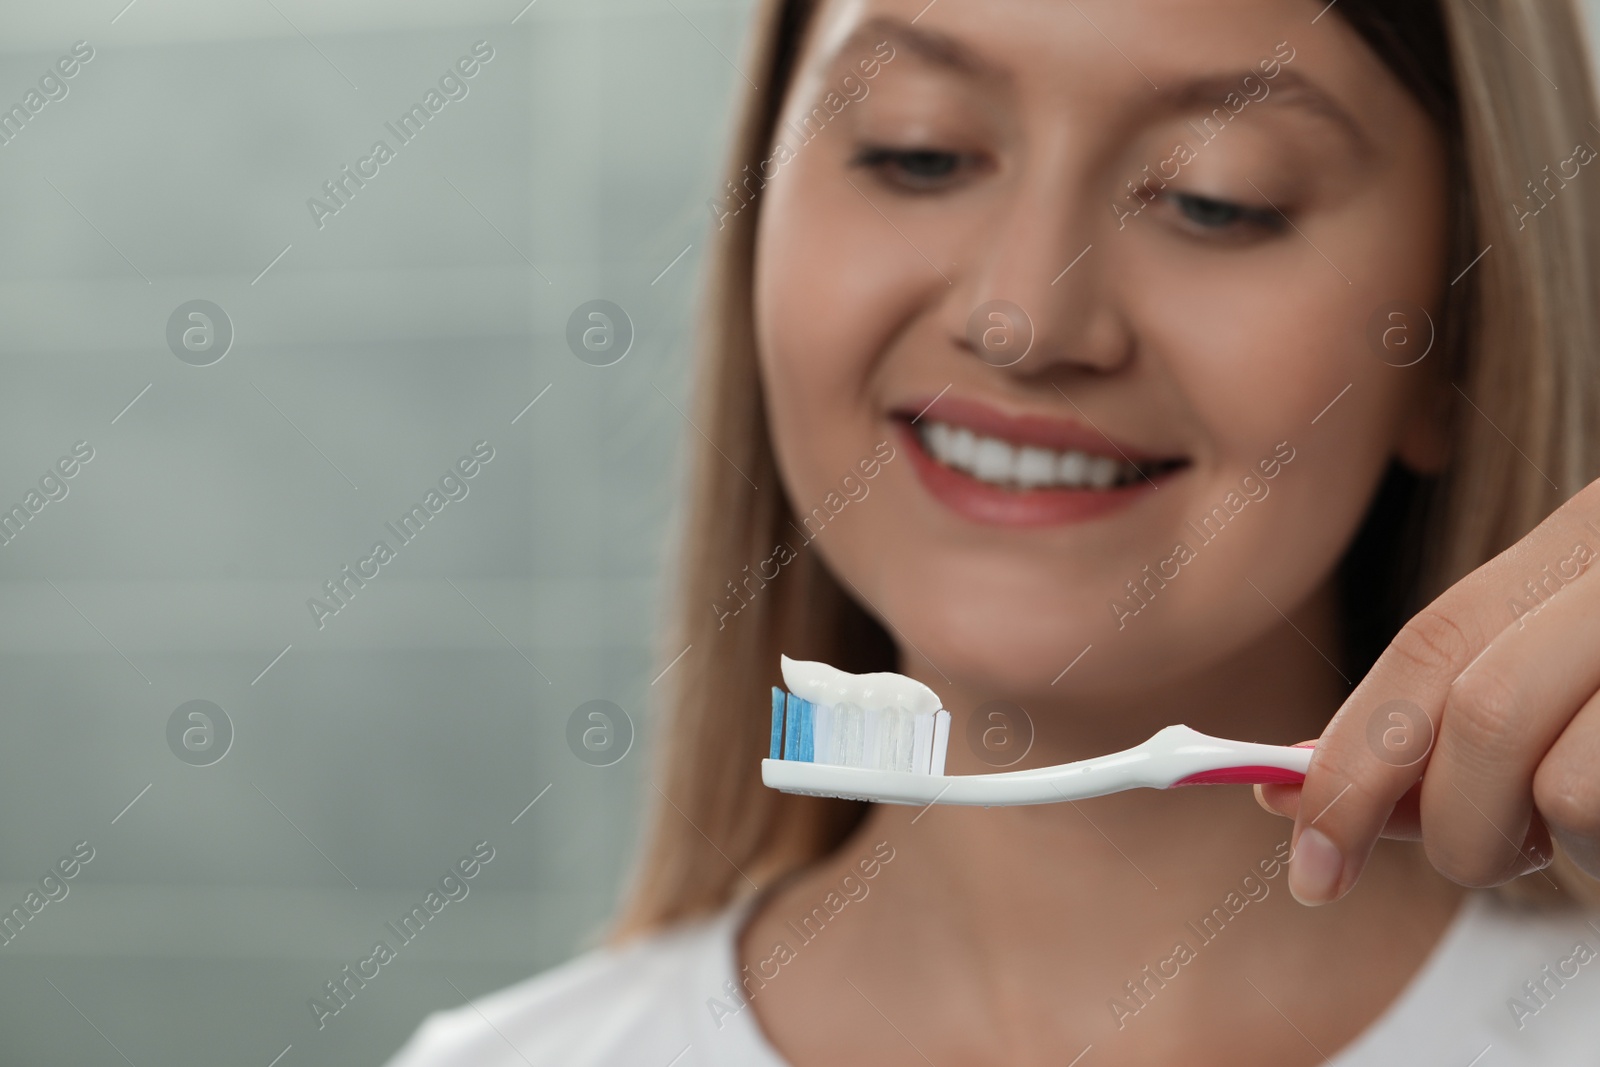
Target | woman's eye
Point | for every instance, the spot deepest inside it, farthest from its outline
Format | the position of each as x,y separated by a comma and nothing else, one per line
1221,216
912,168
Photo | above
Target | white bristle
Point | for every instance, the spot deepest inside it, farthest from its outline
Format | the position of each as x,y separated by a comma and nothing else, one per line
822,735
848,721
941,741
903,733
921,742
885,746
870,718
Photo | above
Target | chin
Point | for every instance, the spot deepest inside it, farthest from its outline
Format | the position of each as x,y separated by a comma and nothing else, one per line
997,647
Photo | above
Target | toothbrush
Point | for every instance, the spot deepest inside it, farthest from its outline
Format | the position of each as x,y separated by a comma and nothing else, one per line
883,737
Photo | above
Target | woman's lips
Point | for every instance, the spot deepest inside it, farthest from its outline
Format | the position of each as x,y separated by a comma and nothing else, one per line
1043,431
1050,505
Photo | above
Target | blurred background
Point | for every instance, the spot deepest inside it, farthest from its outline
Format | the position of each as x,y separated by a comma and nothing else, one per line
247,448
265,388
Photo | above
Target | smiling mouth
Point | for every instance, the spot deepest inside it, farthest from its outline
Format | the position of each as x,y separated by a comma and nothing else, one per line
999,462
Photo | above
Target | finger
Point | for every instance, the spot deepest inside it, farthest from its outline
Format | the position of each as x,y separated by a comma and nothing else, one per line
1279,799
1566,789
1501,717
1405,820
1378,744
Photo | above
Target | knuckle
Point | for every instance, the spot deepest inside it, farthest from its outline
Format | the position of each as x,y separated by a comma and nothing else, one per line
1481,714
1433,642
1466,840
1474,866
1567,794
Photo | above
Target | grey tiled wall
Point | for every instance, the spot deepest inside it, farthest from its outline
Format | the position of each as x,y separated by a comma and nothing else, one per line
369,353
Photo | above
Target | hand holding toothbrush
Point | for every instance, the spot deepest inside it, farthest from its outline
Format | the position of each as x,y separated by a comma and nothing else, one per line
1477,731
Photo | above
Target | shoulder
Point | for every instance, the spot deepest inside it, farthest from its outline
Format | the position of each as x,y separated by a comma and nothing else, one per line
1526,983
649,1001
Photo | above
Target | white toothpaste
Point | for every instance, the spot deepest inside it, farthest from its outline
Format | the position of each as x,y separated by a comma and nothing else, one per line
883,721
823,684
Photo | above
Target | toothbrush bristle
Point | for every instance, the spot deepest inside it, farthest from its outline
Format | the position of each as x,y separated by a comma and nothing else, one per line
844,735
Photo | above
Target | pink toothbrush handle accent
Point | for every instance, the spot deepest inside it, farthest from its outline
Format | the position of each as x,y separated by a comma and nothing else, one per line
1250,775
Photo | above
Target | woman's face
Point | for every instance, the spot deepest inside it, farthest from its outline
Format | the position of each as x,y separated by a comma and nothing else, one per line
1193,211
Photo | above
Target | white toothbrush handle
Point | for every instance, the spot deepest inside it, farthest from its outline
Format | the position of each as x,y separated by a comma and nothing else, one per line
1175,756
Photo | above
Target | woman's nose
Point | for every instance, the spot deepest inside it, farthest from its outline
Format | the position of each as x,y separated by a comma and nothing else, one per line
1035,288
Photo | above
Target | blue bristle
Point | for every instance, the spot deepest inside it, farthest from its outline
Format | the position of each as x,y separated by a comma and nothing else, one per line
777,722
791,732
807,714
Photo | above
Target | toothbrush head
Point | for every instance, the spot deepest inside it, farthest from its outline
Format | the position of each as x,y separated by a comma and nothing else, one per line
860,736
820,749
848,735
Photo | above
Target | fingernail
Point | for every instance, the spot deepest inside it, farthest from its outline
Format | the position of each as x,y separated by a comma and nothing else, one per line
1266,805
1314,871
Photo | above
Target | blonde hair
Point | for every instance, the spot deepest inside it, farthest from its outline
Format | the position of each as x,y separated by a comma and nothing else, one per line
1521,340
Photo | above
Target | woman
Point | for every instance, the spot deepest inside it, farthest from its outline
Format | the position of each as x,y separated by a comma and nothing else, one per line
1104,366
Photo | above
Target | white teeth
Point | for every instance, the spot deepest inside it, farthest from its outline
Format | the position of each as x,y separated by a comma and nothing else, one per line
993,460
961,447
1103,472
1035,466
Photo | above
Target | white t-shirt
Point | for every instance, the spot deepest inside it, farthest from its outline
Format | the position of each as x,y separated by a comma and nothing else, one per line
664,1001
